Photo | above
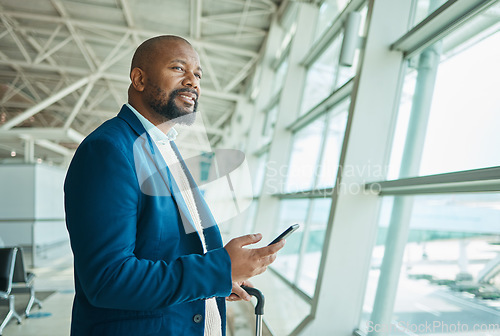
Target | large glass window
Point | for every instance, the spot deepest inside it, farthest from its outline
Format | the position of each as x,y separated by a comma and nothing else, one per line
423,8
345,73
327,171
451,265
328,12
269,125
312,245
291,211
321,76
451,100
280,75
305,154
260,174
448,279
300,258
316,151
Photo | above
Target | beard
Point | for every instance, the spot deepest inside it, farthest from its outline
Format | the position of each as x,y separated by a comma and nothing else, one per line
168,109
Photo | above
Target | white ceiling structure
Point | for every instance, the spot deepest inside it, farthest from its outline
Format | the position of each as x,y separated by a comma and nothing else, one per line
64,64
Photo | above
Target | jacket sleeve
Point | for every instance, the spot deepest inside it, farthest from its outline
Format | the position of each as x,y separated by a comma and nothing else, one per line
101,204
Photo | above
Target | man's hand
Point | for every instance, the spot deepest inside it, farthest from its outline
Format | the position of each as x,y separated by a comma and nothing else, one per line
246,263
239,293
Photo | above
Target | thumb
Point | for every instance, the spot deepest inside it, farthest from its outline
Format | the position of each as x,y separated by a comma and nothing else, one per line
248,239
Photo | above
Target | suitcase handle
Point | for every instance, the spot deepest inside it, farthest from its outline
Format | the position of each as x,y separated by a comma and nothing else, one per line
259,308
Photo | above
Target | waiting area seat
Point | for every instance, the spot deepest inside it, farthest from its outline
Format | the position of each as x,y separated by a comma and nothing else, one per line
7,264
15,279
22,281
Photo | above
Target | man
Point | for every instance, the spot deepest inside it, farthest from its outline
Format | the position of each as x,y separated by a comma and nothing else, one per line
148,254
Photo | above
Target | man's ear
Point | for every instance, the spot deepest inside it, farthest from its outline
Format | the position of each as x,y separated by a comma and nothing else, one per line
137,76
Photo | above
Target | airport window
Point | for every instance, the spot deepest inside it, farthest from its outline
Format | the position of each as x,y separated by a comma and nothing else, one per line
327,171
312,245
260,174
291,211
305,155
313,165
451,266
279,77
269,124
321,76
345,73
328,12
461,102
442,248
300,258
423,8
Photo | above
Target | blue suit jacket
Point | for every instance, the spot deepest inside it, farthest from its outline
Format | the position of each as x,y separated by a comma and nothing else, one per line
138,271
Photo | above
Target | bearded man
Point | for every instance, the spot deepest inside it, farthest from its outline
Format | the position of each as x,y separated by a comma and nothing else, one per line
148,255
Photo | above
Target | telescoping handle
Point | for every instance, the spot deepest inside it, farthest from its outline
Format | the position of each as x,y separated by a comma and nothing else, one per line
259,308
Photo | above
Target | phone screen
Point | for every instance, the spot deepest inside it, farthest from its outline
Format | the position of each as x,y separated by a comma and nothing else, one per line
285,233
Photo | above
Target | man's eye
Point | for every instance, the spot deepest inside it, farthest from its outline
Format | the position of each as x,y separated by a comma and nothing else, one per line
177,68
198,75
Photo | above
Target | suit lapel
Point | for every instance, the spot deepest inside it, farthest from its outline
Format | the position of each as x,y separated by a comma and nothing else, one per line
154,155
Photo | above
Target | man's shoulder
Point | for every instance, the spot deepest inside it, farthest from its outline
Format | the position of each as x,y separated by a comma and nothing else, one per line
114,130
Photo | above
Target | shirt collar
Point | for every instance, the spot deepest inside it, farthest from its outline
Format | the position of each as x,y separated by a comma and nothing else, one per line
154,132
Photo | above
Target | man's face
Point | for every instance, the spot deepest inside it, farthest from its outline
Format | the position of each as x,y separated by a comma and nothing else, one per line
173,82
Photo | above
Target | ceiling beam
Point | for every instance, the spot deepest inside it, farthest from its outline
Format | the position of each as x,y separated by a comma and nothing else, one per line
122,29
54,147
45,103
127,13
235,15
238,78
195,18
111,76
50,133
49,41
243,19
209,69
110,60
16,39
44,54
89,57
79,104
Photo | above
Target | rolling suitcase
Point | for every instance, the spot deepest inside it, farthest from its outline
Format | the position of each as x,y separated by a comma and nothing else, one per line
259,308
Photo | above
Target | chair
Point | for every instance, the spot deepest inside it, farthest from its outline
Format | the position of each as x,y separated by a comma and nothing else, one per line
7,263
23,282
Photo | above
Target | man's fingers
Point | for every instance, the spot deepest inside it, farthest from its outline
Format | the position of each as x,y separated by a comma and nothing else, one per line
242,293
271,249
248,239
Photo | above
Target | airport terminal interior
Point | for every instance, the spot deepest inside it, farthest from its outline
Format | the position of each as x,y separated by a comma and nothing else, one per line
373,124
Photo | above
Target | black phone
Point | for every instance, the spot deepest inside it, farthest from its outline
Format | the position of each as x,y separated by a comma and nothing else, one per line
285,233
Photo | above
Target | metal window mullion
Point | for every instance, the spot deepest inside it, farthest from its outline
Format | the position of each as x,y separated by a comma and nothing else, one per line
329,35
333,99
291,285
302,244
445,19
476,180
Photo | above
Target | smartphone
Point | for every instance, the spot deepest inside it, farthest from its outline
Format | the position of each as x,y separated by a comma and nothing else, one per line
285,233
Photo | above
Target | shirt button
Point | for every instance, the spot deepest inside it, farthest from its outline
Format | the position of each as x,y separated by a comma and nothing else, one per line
197,318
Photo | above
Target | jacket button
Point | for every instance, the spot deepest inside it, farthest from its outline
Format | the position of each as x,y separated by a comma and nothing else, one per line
197,318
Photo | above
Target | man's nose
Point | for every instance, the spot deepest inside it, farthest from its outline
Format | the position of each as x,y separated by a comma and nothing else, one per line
191,81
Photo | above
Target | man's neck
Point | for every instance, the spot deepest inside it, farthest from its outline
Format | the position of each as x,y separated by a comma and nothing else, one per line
159,121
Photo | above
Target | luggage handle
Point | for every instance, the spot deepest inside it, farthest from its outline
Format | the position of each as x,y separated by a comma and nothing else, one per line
259,308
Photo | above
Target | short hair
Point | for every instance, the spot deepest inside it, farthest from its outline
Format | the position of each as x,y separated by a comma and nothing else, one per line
145,53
